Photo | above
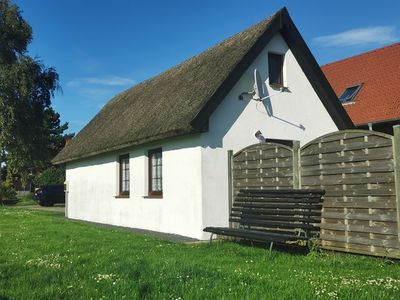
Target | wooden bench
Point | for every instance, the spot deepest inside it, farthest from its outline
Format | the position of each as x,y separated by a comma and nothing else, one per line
275,216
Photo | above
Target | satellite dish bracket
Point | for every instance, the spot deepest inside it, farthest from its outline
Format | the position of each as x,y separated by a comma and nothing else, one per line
258,93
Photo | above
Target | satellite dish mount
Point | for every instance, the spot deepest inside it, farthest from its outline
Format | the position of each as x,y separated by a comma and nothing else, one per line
258,92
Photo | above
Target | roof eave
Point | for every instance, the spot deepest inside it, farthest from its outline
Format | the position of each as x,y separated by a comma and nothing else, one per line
382,121
175,133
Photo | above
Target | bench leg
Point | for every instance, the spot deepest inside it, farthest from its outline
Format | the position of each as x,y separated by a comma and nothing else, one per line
211,237
270,247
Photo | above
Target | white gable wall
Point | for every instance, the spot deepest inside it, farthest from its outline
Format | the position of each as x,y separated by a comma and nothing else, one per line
234,123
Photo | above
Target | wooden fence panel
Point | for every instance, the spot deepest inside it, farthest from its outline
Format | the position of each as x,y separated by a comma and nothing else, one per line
356,169
263,166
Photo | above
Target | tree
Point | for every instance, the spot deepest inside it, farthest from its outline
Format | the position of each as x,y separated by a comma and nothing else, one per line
37,158
15,33
30,130
54,132
26,88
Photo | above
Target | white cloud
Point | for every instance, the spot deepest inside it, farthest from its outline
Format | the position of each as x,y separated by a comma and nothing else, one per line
359,36
78,123
95,93
110,80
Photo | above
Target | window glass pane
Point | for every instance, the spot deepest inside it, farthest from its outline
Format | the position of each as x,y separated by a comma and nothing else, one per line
349,93
155,171
153,184
124,174
159,159
275,67
157,186
158,171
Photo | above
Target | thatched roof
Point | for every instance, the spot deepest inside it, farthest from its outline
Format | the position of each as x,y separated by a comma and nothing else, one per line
176,102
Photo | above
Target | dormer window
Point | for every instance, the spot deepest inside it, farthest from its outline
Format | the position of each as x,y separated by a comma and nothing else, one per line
275,69
349,93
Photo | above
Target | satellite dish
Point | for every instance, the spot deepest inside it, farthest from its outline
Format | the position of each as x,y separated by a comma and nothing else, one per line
258,86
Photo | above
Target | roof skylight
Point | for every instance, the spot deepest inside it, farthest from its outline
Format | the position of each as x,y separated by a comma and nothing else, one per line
349,93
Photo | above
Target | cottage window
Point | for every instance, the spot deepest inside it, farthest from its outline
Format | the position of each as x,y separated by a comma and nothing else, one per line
275,69
350,93
124,175
155,172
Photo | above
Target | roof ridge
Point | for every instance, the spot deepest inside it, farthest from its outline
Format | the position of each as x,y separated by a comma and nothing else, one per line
188,59
361,54
246,29
172,68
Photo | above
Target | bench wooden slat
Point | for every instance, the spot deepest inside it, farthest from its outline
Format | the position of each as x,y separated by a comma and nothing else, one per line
249,198
279,196
276,218
272,224
278,205
273,211
282,192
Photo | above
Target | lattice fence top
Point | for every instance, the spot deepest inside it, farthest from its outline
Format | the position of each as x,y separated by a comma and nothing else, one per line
263,166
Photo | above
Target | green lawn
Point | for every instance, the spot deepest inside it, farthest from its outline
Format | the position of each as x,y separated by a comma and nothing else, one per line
44,256
26,200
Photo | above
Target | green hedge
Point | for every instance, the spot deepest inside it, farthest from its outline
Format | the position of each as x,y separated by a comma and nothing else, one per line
7,191
51,176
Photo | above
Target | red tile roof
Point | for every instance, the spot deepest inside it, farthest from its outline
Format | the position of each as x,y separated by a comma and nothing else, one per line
379,72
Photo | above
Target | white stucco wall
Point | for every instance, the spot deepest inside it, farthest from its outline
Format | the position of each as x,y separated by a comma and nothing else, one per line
195,174
93,185
234,123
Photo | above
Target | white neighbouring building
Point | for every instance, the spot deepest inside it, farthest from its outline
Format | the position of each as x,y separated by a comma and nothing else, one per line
155,156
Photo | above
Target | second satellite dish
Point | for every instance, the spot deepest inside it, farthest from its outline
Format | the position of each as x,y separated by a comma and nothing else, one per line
258,86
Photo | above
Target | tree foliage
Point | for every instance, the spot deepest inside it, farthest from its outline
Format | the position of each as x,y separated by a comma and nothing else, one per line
15,33
30,129
7,191
51,176
28,123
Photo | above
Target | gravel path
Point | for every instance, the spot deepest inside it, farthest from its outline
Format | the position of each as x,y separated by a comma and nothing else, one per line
57,207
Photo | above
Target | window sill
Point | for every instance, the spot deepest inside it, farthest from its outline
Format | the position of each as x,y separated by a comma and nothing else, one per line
121,196
153,197
276,86
348,102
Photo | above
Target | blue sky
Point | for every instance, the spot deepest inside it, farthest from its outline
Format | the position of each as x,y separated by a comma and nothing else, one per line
100,48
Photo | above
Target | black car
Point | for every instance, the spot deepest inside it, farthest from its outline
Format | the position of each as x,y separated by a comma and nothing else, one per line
49,195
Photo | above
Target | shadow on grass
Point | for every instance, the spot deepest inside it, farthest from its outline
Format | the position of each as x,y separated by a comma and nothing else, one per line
288,249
